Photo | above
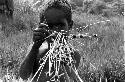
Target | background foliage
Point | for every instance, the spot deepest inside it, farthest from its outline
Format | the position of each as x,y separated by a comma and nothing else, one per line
102,58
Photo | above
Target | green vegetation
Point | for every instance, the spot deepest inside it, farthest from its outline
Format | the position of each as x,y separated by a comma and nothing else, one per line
102,57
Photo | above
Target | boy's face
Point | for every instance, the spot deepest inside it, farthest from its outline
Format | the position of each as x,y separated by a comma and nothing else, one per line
56,20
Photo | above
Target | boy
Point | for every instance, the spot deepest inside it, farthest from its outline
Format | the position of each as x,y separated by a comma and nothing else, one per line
57,16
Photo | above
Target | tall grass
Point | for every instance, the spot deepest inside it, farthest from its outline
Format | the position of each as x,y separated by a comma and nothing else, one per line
102,56
16,36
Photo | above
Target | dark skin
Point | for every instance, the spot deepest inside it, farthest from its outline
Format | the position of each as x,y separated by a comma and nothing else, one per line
30,65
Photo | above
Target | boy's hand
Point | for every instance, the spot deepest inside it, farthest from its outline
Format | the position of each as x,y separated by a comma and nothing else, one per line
39,34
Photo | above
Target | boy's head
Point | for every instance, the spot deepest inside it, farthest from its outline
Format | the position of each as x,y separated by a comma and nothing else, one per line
57,15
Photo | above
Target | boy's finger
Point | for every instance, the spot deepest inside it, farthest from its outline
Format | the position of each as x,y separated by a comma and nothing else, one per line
43,24
37,38
40,33
39,30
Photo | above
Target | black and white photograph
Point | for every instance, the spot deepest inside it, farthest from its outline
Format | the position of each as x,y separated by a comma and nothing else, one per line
62,41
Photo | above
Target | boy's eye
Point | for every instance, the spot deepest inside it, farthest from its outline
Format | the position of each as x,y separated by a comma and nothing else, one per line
61,24
58,25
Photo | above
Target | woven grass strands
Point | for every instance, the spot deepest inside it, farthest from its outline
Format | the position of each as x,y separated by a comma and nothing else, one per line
60,52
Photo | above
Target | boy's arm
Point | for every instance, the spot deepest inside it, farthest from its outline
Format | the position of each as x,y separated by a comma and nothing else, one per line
39,35
27,64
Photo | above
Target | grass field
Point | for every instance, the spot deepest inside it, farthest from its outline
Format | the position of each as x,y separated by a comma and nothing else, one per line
102,56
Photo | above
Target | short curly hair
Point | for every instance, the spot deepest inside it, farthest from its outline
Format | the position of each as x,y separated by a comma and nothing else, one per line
63,5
